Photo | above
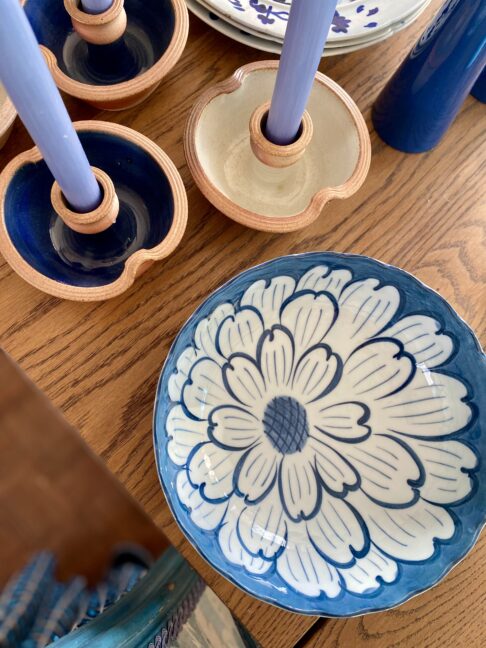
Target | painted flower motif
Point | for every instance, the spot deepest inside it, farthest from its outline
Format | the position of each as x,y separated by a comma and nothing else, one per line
311,429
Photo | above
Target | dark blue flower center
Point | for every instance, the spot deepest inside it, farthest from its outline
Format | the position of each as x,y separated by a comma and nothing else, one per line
285,424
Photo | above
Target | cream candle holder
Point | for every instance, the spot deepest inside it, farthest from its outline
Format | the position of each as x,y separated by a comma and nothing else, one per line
262,185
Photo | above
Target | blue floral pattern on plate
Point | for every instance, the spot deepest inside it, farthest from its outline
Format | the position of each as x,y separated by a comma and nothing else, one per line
353,18
317,437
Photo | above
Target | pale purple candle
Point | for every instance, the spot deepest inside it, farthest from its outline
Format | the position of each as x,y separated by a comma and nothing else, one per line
307,30
27,80
96,6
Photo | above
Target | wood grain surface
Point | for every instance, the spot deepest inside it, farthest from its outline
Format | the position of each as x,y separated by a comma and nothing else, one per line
55,493
100,362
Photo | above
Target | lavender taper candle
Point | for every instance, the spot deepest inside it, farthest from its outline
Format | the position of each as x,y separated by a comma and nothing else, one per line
27,79
96,6
306,35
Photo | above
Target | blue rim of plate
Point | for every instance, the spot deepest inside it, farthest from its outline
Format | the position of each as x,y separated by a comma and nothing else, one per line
469,516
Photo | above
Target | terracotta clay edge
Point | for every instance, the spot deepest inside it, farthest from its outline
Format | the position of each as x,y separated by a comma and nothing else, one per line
138,262
102,28
251,219
7,118
272,154
143,84
98,219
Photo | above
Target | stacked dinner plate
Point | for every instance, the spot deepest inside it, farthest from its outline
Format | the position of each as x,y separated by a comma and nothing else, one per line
261,23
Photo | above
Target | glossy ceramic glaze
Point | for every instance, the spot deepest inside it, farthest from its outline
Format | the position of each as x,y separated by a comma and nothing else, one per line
479,89
264,43
120,74
352,19
319,430
220,156
50,255
420,101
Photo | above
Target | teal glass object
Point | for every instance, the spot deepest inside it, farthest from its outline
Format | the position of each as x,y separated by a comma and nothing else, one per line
421,100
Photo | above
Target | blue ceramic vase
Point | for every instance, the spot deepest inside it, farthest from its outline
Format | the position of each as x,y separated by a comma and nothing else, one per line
420,101
479,88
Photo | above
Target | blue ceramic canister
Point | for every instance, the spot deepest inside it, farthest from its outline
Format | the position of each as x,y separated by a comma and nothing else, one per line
420,101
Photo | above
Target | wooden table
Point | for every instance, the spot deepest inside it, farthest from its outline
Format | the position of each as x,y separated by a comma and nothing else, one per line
100,362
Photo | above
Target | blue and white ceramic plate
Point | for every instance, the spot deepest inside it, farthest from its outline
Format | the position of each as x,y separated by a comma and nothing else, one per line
319,429
265,44
352,19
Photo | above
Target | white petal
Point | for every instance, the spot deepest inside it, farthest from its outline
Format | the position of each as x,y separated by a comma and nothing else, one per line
262,528
404,533
268,298
306,571
257,472
375,370
362,577
244,380
231,546
206,515
430,405
178,378
364,310
212,468
447,467
276,359
336,473
186,433
300,492
308,316
240,333
421,337
315,373
335,530
319,279
345,421
207,329
234,427
204,389
385,467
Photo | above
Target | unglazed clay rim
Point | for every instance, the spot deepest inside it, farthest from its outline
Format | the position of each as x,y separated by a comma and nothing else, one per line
252,219
139,85
85,18
7,117
97,220
134,265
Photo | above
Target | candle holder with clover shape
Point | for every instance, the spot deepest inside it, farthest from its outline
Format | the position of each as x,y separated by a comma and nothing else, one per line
114,59
268,186
98,255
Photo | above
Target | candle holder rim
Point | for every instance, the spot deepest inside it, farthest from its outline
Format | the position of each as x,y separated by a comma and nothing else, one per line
8,114
134,264
85,18
138,85
278,155
275,224
97,219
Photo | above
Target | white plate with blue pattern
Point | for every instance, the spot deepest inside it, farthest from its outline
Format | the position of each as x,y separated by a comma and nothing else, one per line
319,429
353,18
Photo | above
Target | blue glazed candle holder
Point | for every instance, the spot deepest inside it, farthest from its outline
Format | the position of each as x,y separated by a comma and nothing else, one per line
94,256
421,100
115,59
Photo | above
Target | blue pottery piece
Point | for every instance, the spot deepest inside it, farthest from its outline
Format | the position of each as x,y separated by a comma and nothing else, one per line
420,101
150,28
479,88
319,429
151,218
49,246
